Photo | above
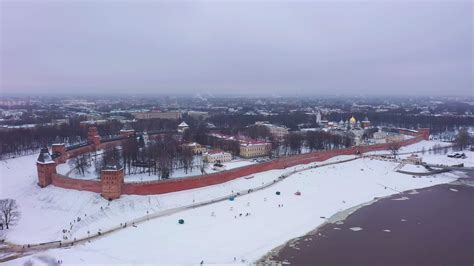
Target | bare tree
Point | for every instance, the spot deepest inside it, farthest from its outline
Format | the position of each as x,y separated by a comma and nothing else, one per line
9,212
81,163
394,147
462,139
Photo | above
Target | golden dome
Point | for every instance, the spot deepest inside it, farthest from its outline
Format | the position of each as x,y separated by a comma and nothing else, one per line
352,120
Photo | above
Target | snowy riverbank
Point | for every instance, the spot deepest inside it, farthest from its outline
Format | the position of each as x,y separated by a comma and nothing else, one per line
216,238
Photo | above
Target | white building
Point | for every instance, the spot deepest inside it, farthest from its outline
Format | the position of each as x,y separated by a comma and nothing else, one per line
182,127
217,156
318,117
198,115
276,131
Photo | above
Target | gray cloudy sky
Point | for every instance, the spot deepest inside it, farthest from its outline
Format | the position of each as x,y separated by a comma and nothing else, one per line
314,47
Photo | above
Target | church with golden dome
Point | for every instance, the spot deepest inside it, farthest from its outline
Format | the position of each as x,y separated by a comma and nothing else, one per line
351,123
352,120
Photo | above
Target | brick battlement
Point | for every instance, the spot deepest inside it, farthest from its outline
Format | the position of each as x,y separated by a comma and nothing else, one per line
111,185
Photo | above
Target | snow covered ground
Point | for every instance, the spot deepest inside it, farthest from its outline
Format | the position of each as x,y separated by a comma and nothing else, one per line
441,157
180,173
431,157
214,238
68,170
47,211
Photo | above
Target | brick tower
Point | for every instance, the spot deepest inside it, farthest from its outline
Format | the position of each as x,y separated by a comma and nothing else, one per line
46,167
425,132
93,136
59,152
111,181
127,131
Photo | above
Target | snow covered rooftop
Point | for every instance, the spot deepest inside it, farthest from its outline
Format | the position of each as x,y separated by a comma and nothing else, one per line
44,156
127,127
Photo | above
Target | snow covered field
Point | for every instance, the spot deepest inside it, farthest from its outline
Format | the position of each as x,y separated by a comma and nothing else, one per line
214,238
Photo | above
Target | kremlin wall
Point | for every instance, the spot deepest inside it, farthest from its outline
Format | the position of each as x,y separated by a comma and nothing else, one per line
112,185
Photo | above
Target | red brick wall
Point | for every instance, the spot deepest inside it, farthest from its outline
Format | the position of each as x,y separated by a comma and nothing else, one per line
61,149
424,132
79,151
77,184
173,185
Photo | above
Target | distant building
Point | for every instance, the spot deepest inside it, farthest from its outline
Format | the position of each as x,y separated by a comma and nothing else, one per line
59,122
395,137
379,137
352,122
254,149
414,159
182,127
357,136
87,123
119,118
276,131
157,115
386,137
366,122
146,138
324,122
195,147
127,130
198,115
318,118
217,156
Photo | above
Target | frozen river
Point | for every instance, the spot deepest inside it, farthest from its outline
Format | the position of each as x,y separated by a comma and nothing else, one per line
432,226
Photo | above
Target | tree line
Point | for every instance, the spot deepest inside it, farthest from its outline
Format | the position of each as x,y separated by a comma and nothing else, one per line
24,141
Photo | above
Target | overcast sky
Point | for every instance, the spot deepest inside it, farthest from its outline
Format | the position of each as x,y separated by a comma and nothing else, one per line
389,47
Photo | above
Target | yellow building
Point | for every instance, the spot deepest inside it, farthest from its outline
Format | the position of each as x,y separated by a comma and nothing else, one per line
255,149
195,147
